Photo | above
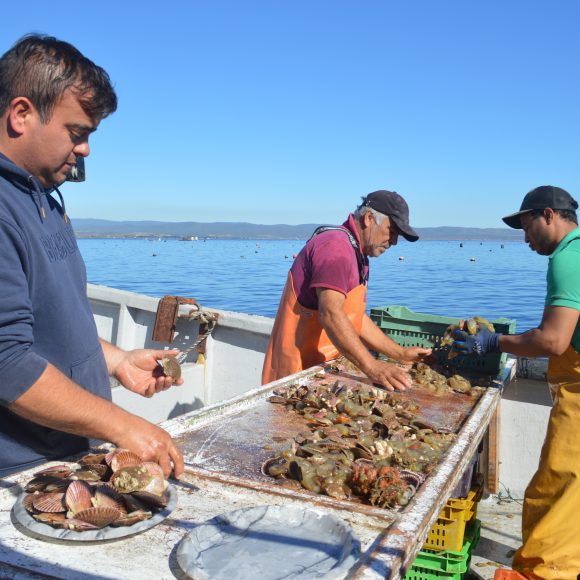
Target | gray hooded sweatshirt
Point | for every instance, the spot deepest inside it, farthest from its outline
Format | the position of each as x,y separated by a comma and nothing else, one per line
45,315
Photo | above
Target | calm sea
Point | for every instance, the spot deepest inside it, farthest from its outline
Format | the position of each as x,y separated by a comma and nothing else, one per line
490,278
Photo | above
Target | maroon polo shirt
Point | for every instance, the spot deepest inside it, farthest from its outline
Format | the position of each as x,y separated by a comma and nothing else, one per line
328,260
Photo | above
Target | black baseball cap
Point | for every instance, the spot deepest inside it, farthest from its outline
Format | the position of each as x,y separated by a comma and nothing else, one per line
392,204
541,198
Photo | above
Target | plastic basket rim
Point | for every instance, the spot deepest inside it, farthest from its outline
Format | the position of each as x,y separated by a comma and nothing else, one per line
402,330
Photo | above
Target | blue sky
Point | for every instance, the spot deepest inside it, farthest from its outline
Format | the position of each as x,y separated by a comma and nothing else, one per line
288,111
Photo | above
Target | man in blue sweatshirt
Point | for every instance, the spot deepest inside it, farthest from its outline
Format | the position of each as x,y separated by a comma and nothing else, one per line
54,390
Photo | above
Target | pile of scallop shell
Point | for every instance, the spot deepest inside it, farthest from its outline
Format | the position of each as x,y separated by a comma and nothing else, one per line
103,489
429,378
361,441
472,326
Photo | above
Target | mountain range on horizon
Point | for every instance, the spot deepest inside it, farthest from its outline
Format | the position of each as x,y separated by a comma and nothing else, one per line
100,228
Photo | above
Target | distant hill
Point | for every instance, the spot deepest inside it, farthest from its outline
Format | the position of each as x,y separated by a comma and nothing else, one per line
451,233
95,228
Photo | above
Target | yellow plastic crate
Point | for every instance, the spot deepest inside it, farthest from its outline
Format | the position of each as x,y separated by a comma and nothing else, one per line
449,530
450,565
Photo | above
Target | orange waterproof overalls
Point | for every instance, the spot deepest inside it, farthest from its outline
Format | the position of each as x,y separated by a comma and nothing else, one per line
298,340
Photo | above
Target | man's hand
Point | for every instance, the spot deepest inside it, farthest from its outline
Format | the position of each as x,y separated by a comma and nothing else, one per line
480,343
388,375
55,401
151,443
139,371
412,354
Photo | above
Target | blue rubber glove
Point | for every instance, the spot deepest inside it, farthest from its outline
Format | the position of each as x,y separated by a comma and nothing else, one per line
480,343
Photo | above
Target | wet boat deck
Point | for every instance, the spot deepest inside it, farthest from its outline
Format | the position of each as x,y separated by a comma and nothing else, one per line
500,536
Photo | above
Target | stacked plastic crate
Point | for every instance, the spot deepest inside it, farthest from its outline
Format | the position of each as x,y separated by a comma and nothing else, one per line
451,541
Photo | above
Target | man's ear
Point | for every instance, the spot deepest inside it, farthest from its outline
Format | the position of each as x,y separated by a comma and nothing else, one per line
367,219
20,112
549,215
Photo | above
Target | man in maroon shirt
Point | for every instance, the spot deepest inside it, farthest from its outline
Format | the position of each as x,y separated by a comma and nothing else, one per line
322,310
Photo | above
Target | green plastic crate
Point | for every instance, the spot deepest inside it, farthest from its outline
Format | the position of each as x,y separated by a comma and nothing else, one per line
409,328
452,565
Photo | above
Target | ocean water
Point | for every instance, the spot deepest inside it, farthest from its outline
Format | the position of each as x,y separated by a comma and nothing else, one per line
490,278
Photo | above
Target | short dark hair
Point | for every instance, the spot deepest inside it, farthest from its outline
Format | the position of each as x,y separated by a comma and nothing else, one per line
567,215
41,68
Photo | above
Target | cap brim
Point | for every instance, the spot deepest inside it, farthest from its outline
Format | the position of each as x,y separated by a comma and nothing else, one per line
513,220
406,231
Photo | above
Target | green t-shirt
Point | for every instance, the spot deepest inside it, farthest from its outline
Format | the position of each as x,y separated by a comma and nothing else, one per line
564,278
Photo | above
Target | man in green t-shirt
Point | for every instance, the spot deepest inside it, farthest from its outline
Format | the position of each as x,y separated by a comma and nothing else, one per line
550,523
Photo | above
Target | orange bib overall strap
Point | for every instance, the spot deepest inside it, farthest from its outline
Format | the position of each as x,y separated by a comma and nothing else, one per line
298,340
550,524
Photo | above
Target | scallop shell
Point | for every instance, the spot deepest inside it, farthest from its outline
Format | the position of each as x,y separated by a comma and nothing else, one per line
109,456
124,458
152,499
79,525
57,520
132,518
93,459
78,496
171,367
158,483
275,467
55,471
107,496
278,399
58,485
40,482
86,474
99,516
97,468
52,502
27,503
131,479
134,504
153,468
412,478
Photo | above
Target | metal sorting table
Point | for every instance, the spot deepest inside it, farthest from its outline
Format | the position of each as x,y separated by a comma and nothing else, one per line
224,446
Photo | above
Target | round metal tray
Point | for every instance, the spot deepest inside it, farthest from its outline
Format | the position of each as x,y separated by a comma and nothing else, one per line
25,523
270,543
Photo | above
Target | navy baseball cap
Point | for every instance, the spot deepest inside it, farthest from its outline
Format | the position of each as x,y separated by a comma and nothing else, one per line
392,204
541,198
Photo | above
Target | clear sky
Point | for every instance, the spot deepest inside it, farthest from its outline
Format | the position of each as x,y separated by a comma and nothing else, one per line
273,111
